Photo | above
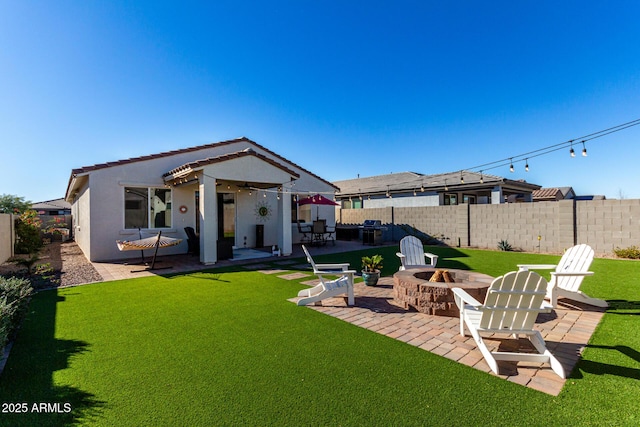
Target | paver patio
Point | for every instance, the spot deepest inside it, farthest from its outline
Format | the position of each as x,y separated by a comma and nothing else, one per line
566,330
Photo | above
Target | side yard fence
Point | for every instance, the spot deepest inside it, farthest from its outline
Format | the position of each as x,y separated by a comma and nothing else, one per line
541,226
6,237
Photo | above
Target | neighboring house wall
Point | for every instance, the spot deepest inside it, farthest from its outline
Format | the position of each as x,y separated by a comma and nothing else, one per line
432,199
6,237
602,224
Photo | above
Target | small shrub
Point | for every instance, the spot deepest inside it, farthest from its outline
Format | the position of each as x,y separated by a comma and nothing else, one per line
14,301
7,312
29,262
632,252
503,245
28,240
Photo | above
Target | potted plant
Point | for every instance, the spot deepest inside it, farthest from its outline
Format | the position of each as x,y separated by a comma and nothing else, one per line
371,266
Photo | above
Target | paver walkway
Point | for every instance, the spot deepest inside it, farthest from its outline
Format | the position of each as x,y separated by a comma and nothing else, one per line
566,330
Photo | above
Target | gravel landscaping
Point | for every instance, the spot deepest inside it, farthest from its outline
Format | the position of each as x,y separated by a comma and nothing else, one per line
61,265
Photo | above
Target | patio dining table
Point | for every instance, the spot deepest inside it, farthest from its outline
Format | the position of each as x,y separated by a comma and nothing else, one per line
321,233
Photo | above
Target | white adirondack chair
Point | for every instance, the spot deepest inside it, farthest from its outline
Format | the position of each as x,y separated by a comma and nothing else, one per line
328,288
511,306
412,254
568,275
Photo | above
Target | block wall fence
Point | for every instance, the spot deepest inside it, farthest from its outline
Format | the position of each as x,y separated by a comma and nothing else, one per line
602,224
6,237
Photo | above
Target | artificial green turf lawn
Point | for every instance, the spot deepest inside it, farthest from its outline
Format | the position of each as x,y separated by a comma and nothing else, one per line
227,348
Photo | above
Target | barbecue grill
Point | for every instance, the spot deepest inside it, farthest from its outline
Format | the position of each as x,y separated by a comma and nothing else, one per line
372,232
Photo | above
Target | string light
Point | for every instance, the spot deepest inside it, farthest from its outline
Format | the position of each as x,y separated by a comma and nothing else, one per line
461,178
555,147
526,165
511,166
481,178
584,150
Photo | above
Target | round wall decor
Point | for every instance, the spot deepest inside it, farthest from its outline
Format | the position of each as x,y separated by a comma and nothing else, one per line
183,209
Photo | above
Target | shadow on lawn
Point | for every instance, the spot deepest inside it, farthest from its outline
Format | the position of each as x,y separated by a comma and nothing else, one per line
623,305
599,368
28,375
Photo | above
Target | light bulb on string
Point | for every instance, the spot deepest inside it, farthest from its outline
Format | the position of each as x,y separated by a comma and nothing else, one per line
584,150
572,152
511,166
526,165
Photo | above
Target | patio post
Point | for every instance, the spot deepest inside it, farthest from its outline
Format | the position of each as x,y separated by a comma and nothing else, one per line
284,221
208,219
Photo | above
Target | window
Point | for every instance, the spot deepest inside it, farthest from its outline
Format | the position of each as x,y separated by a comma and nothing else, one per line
469,199
147,207
450,199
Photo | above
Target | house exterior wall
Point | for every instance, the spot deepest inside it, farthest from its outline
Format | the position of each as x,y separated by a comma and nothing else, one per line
81,214
106,209
6,237
602,224
98,207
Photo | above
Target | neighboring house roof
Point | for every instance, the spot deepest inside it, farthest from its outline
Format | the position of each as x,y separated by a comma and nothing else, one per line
87,169
553,193
57,204
412,181
567,192
591,197
547,194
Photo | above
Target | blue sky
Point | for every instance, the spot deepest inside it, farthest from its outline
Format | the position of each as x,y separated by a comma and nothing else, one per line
339,87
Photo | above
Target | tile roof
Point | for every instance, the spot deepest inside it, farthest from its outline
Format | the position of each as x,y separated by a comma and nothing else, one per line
546,193
87,169
91,168
187,167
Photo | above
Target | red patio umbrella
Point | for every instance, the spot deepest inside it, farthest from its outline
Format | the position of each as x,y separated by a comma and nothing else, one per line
317,199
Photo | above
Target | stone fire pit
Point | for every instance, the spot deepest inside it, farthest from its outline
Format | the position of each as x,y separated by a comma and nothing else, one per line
412,288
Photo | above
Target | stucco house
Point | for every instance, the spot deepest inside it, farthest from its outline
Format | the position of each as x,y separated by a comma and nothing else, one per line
411,189
232,193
